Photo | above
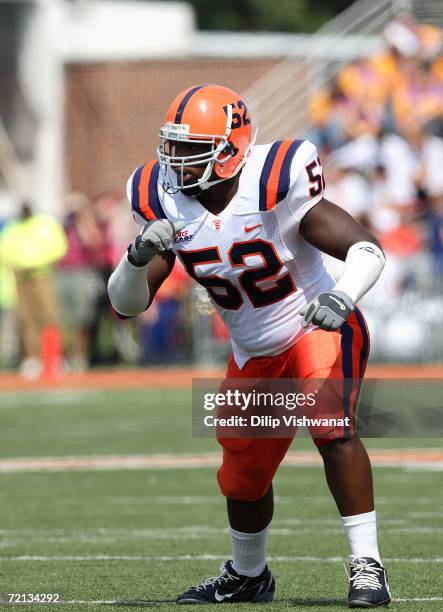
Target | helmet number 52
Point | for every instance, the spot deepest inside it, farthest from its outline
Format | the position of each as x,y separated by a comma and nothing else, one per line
238,119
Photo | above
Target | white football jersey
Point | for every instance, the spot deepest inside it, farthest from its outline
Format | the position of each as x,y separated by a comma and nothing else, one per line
257,269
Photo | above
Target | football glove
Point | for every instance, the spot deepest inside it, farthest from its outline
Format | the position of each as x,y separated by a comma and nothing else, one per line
155,237
328,311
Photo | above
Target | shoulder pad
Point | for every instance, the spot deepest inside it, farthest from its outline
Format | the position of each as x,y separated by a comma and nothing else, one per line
143,192
275,178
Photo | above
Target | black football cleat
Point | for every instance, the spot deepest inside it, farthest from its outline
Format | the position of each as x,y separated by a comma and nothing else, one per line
368,583
230,587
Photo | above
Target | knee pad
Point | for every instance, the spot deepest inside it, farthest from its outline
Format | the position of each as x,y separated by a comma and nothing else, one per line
250,485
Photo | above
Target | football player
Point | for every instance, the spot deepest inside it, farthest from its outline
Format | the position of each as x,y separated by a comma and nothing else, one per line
250,223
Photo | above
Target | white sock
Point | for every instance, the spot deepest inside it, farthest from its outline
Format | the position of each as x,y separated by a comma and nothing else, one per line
249,552
361,530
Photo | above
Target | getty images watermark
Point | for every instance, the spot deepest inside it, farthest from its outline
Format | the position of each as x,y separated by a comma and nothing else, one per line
249,403
267,408
376,408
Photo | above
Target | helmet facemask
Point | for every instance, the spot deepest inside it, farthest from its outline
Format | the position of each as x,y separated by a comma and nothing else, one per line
173,167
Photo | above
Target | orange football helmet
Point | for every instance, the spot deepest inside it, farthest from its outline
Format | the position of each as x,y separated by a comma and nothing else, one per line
205,114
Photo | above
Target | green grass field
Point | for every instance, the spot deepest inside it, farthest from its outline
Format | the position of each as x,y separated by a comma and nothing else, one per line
142,536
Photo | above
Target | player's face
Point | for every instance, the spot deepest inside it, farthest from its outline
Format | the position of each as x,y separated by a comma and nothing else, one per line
192,170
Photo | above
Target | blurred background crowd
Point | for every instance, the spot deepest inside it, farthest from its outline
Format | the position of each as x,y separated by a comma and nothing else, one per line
376,116
55,313
379,126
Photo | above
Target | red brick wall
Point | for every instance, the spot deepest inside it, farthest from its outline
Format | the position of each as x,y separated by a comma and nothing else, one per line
114,111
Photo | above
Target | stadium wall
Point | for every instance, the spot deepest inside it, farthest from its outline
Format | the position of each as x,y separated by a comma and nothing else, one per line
114,111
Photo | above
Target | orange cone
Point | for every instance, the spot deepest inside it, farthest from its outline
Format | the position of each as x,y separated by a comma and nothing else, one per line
51,352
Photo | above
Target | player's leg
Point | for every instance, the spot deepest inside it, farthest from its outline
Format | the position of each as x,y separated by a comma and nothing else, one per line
30,366
246,576
251,516
341,356
245,478
248,527
349,476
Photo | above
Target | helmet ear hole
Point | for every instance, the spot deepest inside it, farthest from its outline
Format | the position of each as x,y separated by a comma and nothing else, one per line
230,149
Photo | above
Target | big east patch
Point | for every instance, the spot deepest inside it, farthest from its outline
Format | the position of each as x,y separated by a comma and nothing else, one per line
183,236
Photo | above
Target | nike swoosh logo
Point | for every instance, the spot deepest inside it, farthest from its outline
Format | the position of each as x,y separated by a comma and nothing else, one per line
249,229
223,597
340,305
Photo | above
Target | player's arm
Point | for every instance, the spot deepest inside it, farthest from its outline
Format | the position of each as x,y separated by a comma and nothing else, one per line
142,270
333,231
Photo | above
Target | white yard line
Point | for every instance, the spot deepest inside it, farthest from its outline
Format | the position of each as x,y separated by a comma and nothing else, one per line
56,397
102,602
12,538
206,557
189,500
320,499
421,459
439,598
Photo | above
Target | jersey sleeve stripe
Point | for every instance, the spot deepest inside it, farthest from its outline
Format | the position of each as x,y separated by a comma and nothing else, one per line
145,200
274,175
143,189
135,199
154,201
275,178
266,171
284,180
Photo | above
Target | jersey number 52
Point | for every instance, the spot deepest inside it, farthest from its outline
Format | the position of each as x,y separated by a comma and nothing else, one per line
230,297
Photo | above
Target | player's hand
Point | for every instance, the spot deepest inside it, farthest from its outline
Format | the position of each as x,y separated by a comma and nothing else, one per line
155,237
329,310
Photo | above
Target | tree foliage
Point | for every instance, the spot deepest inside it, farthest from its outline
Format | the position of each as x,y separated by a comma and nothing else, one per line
269,15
